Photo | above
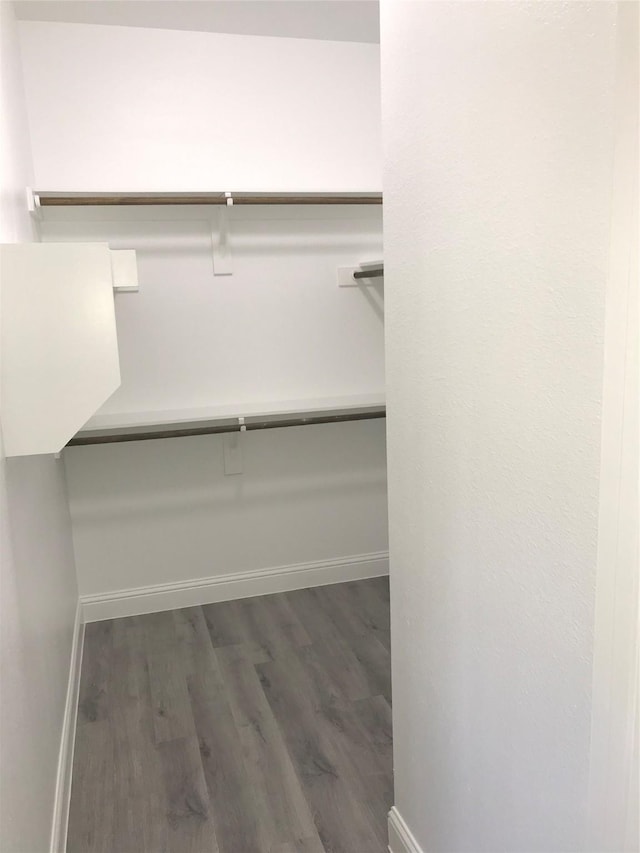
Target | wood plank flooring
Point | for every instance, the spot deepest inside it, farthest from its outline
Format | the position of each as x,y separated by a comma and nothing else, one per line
253,726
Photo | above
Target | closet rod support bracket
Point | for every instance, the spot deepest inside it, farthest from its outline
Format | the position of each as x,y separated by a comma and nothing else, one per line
221,242
33,203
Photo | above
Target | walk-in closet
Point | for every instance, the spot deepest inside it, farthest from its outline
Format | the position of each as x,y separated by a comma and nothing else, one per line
226,469
319,426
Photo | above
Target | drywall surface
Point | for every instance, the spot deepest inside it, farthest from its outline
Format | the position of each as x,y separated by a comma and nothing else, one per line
614,799
128,108
163,511
38,586
277,328
39,597
497,129
15,151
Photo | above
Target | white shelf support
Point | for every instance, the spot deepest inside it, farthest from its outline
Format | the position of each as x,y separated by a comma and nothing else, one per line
220,238
124,269
347,275
33,203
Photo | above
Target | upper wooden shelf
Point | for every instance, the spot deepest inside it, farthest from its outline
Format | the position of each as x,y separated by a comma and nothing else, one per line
60,199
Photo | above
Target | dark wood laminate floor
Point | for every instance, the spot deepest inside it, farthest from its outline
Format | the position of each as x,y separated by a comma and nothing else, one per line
253,726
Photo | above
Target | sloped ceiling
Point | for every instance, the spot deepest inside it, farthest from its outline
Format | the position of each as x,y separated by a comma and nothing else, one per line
334,20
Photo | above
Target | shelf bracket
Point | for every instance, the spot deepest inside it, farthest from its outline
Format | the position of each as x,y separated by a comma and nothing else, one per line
33,203
124,269
366,273
222,257
232,450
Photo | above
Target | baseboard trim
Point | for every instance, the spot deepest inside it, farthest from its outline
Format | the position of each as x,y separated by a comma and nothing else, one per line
67,740
168,596
401,838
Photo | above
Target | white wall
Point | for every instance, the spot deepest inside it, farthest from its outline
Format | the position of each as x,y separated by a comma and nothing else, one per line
118,108
497,127
38,596
163,511
279,328
614,796
15,152
223,112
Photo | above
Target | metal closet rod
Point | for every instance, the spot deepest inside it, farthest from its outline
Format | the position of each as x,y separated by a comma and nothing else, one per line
130,199
377,272
213,429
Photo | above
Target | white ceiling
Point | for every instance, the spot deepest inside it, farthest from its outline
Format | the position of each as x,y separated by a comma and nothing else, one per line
334,20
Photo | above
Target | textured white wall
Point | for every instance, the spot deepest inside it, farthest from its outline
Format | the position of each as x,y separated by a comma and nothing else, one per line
128,108
497,129
38,586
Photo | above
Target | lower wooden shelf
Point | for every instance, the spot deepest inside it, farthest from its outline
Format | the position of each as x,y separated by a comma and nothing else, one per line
143,426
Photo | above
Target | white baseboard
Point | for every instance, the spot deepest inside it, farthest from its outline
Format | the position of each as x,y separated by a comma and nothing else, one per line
401,838
67,741
168,596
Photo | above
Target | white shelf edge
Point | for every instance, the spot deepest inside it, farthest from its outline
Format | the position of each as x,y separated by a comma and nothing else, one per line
115,422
